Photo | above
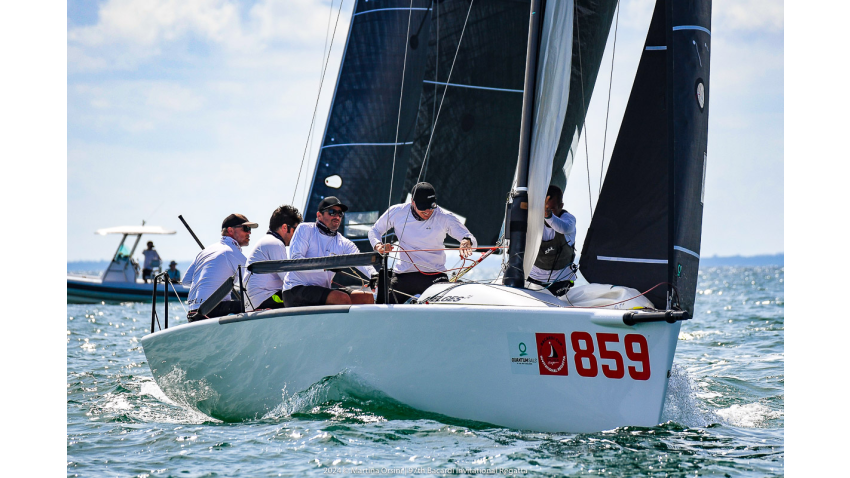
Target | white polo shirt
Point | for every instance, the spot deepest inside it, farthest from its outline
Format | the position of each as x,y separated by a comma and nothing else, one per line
309,242
150,255
262,286
211,268
566,225
415,234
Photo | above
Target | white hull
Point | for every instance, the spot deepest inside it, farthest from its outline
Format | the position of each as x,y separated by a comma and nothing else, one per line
87,290
455,360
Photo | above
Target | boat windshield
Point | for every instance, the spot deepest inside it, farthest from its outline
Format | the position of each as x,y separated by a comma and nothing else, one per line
123,253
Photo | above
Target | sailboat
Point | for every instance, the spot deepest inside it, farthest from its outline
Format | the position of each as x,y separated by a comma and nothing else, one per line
486,100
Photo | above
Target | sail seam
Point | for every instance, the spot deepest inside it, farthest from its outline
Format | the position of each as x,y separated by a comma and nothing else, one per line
631,259
686,251
386,9
471,86
692,27
365,144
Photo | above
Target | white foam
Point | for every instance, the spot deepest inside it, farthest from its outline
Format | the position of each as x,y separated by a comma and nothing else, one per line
750,415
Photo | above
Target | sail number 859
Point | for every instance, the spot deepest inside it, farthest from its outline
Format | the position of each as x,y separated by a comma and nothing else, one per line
587,364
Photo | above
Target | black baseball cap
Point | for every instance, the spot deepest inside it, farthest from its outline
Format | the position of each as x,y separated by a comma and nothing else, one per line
424,196
332,201
235,220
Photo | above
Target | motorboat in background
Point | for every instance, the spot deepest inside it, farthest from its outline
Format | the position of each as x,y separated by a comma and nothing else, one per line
120,281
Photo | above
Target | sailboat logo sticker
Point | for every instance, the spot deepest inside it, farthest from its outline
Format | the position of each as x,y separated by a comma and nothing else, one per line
552,354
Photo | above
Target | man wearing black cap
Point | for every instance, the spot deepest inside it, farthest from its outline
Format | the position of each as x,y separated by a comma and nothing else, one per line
216,264
421,227
152,260
320,239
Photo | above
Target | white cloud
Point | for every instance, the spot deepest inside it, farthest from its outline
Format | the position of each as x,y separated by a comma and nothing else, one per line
748,15
131,32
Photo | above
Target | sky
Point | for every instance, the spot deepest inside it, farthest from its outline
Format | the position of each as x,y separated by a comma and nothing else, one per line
203,108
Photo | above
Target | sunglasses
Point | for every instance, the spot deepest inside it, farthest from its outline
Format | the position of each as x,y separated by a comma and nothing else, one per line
246,228
333,212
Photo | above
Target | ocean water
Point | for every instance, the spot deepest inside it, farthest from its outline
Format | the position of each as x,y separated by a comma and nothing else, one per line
724,414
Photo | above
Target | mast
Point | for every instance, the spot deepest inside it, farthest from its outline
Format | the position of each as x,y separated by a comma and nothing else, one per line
518,213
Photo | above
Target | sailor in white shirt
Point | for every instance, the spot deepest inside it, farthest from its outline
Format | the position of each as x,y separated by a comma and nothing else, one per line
216,264
320,239
152,261
553,267
265,291
420,226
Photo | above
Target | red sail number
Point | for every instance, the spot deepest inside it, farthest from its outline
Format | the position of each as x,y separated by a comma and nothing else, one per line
584,353
618,371
586,362
640,355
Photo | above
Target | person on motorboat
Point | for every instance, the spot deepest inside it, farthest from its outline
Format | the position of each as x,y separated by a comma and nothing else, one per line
173,272
152,261
554,268
321,239
421,227
265,291
216,264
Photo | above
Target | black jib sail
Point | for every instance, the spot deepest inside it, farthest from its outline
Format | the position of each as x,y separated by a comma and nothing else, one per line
366,126
647,224
473,151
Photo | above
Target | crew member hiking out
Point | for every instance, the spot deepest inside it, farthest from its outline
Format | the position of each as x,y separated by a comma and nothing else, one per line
421,227
216,264
553,267
321,239
265,291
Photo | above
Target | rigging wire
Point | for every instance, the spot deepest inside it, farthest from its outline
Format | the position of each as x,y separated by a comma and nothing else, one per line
584,107
431,138
325,51
400,99
608,108
445,90
316,107
436,75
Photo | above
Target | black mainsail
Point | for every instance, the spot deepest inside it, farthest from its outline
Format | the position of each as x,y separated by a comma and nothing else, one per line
648,220
473,151
366,127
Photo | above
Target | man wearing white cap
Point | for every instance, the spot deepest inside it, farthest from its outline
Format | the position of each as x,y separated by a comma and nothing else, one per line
216,264
421,227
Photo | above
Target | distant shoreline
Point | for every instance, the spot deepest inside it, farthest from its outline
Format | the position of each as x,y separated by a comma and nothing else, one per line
714,261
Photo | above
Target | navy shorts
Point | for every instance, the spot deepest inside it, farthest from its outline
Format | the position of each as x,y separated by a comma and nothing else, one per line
307,295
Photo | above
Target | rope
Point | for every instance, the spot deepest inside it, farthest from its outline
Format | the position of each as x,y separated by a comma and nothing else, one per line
584,107
622,301
608,108
400,99
316,107
178,297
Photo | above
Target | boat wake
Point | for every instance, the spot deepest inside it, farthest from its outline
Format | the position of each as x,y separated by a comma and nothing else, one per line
347,398
683,405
